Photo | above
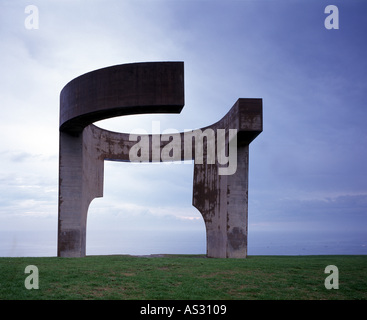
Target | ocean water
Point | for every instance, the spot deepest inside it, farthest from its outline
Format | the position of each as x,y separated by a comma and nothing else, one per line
40,244
307,243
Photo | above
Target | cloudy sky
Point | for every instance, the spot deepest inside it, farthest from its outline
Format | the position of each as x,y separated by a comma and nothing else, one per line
308,169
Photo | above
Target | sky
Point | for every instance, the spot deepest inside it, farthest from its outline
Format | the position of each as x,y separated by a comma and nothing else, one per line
308,168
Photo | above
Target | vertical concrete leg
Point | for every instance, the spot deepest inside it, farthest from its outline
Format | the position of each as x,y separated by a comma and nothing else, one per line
71,227
237,207
222,201
80,181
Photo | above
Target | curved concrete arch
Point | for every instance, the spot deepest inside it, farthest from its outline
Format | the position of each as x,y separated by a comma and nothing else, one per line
125,89
218,193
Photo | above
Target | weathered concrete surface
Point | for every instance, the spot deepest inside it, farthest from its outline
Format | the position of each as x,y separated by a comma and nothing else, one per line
121,90
221,198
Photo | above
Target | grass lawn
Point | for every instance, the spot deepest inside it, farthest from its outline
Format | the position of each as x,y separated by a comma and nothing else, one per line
184,277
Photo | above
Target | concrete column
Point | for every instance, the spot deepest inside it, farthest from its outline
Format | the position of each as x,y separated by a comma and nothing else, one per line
72,227
80,181
222,201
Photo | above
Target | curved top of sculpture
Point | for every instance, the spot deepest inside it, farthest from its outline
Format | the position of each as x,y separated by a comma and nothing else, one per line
135,88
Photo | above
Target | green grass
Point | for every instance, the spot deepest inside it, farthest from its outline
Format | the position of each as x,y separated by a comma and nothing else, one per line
184,277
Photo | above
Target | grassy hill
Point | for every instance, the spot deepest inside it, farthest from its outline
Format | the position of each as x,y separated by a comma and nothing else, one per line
184,277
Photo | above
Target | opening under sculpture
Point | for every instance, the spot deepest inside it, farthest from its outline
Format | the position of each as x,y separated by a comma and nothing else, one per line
153,87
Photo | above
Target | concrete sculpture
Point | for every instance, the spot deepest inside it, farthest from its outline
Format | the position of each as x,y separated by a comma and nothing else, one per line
219,192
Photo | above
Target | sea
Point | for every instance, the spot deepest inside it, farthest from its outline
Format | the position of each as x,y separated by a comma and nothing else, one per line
43,244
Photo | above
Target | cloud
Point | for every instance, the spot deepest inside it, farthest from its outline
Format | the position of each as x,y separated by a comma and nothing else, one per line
325,213
28,188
